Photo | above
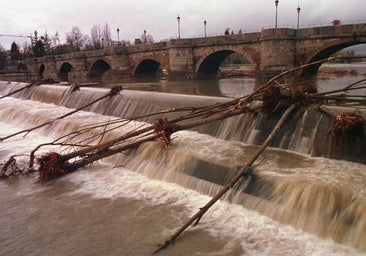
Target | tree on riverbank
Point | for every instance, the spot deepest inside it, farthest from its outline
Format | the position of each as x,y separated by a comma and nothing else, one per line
75,38
100,36
3,56
14,52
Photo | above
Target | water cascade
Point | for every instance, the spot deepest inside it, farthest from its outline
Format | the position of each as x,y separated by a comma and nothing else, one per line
319,195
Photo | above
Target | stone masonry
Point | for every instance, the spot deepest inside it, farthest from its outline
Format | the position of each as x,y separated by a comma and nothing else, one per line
270,52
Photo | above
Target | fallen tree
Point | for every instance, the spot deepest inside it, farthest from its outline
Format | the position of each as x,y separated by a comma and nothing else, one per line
271,98
115,90
240,174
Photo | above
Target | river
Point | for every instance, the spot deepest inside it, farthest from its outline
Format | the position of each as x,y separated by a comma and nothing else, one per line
126,205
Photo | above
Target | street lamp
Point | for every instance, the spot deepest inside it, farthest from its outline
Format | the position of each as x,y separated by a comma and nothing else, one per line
118,34
298,16
205,23
178,19
145,39
276,4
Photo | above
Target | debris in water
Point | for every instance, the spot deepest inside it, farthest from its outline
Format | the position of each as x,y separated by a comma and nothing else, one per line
166,129
50,167
347,128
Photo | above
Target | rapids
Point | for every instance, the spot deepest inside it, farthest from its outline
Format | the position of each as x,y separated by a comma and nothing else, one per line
295,203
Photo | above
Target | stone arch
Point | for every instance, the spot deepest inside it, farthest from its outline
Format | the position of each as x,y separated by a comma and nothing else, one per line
324,53
148,67
63,73
42,69
210,62
97,70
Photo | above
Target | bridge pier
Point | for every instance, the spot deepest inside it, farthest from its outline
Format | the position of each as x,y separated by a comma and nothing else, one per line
277,52
270,52
180,59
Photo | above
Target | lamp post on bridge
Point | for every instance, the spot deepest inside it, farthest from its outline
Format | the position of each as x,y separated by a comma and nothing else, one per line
118,35
205,23
298,16
276,4
178,19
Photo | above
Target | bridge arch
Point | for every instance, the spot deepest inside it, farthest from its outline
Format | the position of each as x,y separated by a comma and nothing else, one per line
210,62
323,53
148,67
64,71
98,68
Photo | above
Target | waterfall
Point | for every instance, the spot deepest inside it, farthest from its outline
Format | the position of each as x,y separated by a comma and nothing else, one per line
319,195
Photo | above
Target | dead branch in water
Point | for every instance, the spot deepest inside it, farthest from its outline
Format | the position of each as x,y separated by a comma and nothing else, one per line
196,218
274,96
33,83
269,94
348,127
268,98
16,91
111,93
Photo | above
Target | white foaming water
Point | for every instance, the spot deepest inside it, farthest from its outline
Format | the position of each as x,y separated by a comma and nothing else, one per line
257,234
245,231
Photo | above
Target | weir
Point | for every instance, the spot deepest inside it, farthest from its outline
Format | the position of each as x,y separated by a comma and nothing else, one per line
289,187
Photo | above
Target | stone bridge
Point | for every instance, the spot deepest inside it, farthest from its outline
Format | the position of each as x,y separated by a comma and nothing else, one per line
269,52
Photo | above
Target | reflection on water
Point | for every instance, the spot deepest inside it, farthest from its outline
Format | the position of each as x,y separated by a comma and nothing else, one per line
116,211
226,87
327,80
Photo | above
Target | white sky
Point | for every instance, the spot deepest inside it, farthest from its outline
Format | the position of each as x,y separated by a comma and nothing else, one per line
159,17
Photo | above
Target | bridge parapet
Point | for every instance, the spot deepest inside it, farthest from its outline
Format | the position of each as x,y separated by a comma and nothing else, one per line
270,51
278,34
328,31
119,49
98,53
227,39
63,56
81,54
146,47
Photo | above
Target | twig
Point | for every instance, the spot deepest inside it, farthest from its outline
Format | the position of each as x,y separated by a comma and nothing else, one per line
112,92
14,92
232,182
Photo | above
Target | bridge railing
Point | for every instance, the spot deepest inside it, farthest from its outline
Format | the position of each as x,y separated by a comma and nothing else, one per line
147,47
304,31
315,25
354,29
342,30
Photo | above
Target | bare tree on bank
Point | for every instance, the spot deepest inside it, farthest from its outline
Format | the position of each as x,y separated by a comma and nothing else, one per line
75,38
55,40
101,36
107,35
96,35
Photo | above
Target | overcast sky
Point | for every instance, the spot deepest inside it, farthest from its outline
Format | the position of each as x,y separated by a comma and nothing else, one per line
159,17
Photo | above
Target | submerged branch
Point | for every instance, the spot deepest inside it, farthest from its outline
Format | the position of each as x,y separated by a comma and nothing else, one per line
16,91
195,218
270,94
112,92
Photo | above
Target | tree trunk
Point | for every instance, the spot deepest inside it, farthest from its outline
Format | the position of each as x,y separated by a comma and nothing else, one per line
231,183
